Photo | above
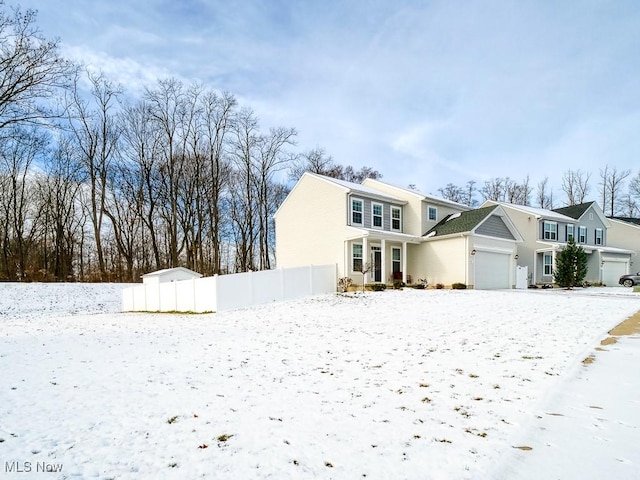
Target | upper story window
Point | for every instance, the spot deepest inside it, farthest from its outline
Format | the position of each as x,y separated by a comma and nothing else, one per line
582,234
550,230
396,218
432,213
571,233
376,215
599,236
356,211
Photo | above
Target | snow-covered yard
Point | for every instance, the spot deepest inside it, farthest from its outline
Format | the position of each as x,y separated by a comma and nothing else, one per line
399,384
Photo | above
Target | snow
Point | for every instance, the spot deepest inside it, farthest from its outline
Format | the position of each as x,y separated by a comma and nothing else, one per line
424,384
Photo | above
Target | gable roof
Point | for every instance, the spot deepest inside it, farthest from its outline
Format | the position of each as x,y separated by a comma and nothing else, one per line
462,223
536,212
358,188
418,194
633,220
169,271
577,211
574,211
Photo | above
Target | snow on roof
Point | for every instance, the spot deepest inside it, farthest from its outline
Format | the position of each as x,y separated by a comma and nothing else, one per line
538,212
423,196
359,188
168,271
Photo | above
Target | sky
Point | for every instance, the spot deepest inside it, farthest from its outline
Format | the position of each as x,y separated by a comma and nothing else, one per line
426,92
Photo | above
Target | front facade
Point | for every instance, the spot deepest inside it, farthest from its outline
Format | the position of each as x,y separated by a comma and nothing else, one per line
380,233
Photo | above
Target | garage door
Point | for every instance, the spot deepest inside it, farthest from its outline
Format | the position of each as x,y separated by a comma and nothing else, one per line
612,271
492,270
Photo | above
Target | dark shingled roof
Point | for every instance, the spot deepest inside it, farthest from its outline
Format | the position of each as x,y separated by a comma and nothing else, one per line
574,211
466,222
628,219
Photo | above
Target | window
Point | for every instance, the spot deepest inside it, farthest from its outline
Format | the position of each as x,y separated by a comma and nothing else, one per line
433,213
356,211
376,215
599,237
570,233
356,255
395,260
548,264
582,234
396,218
550,230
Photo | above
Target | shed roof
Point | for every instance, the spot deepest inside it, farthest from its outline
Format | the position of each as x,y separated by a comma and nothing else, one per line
169,271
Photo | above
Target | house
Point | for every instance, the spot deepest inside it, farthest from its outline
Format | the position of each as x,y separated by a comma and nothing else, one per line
624,232
169,275
399,233
546,232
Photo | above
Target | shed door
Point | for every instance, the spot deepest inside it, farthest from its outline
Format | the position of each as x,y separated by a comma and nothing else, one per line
492,270
612,271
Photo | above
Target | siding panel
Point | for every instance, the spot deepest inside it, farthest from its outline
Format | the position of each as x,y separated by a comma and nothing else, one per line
494,226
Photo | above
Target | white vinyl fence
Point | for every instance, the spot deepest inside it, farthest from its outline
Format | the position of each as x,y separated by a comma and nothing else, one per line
226,292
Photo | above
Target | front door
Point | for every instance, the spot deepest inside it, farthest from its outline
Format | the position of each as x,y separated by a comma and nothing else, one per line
376,263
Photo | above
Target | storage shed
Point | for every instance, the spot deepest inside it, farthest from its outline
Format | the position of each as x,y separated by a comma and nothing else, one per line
169,275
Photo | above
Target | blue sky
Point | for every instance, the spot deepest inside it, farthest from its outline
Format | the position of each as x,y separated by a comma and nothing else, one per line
426,92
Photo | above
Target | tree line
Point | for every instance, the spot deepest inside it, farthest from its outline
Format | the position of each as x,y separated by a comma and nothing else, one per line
95,186
617,191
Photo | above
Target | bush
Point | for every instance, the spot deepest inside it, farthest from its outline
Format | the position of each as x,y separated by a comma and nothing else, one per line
419,286
343,283
439,286
459,286
571,266
377,287
398,284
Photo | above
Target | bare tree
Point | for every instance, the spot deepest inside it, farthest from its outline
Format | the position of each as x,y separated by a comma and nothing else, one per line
463,195
19,148
32,70
218,112
495,189
167,109
544,194
313,161
316,161
142,160
611,182
575,185
243,203
96,134
271,158
60,213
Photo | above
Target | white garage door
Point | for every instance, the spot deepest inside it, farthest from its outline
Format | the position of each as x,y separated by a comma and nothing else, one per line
612,271
492,270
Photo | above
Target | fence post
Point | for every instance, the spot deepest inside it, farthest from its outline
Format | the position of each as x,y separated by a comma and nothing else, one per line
215,292
283,294
251,287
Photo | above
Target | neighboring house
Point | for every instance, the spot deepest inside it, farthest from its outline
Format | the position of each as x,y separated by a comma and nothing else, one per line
399,233
608,260
624,232
546,232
